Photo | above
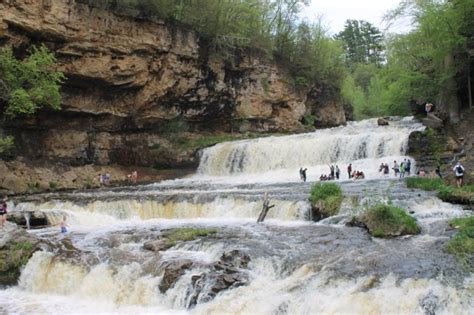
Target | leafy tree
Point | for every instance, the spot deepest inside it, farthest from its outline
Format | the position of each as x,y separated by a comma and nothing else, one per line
27,85
362,43
436,52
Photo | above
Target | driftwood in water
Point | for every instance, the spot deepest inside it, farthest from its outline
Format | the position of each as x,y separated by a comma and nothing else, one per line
263,214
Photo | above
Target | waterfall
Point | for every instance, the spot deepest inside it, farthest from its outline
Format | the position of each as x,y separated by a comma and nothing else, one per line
360,143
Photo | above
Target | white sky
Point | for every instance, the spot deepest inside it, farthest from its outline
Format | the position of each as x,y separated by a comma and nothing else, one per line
336,12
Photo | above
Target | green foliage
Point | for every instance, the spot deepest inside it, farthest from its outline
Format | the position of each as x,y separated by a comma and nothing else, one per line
462,244
386,220
6,144
186,234
328,195
448,193
362,43
29,84
53,186
274,27
33,187
425,183
88,183
309,120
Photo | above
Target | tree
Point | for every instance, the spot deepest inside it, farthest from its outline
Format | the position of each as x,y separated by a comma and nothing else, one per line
27,85
437,50
362,43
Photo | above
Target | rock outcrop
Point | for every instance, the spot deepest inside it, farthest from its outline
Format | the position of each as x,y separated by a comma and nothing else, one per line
133,85
16,248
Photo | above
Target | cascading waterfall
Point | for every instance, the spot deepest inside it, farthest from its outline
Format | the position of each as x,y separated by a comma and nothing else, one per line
296,266
360,143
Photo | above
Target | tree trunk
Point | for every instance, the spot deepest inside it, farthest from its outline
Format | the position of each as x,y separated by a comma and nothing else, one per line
469,88
449,97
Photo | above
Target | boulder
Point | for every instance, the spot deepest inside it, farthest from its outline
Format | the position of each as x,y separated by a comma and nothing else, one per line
157,245
382,122
16,248
173,271
224,274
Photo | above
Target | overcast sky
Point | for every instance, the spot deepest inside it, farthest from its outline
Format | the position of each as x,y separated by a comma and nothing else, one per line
336,12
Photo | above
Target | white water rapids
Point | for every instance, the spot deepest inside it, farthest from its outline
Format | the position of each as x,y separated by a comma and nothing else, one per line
296,266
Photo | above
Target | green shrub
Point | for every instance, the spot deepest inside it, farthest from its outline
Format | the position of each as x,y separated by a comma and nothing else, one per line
462,244
33,187
327,197
386,221
308,120
53,186
425,183
88,183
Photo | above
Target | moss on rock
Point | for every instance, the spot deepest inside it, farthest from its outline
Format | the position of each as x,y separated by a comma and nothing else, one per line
326,200
387,221
16,248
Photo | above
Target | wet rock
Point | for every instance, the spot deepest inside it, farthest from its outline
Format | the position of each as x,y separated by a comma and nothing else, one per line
225,274
16,248
36,218
157,245
432,123
429,303
173,271
386,221
382,122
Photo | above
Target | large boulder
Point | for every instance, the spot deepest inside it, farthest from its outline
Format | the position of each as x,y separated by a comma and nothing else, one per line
16,248
227,273
173,271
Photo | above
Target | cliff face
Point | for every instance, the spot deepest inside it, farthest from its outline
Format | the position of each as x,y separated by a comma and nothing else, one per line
131,83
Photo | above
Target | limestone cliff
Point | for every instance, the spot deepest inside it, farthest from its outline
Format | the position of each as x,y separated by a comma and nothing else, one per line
132,83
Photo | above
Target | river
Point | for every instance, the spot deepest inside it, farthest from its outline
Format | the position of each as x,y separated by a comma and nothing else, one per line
296,266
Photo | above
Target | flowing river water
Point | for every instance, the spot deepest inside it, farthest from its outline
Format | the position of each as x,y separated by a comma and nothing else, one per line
296,266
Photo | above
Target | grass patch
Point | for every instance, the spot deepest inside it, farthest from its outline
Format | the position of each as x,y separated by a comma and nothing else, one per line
388,221
448,193
209,140
186,234
424,183
327,197
462,244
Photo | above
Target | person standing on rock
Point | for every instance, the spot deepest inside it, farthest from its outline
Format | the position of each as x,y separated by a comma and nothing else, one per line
395,168
3,211
402,170
332,171
349,170
458,170
303,174
63,225
338,171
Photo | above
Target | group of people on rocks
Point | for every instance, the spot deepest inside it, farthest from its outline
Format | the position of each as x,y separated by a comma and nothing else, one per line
334,173
402,169
399,170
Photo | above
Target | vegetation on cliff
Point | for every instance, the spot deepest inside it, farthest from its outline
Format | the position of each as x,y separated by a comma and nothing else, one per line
387,221
27,85
429,63
306,49
462,244
326,199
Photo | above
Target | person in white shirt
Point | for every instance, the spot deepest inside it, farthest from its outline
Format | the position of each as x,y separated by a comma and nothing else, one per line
458,170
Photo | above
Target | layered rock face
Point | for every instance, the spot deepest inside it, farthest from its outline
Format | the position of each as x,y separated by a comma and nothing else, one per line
130,83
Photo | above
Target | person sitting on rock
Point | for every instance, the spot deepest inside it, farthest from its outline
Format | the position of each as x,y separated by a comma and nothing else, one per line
3,211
